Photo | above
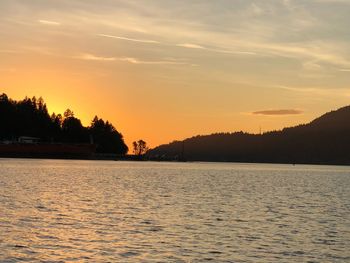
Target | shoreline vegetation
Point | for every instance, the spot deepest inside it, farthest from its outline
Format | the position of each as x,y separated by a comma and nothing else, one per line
325,140
28,131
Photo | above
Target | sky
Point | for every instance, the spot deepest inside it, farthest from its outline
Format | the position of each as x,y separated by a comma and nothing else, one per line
164,70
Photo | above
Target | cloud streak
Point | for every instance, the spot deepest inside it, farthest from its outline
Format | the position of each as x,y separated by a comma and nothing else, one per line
131,60
49,23
152,62
278,112
217,50
94,57
147,41
313,92
189,45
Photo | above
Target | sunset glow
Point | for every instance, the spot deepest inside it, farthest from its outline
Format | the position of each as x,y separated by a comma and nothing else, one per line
166,70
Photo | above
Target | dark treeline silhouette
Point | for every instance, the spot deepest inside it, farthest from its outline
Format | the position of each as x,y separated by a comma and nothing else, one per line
30,117
326,140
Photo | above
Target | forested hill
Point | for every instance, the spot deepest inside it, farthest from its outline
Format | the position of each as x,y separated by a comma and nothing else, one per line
325,140
30,117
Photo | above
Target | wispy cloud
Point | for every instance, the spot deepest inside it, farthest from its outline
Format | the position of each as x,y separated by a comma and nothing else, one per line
256,10
311,66
218,50
184,45
333,1
152,62
317,91
130,39
303,52
233,52
49,22
189,45
278,112
94,57
266,35
131,60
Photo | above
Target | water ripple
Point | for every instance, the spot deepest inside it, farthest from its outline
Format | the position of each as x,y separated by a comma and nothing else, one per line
88,211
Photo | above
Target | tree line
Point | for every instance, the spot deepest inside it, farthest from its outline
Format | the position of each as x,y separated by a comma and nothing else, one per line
30,117
325,140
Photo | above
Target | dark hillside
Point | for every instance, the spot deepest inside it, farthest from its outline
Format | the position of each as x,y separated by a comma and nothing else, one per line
325,140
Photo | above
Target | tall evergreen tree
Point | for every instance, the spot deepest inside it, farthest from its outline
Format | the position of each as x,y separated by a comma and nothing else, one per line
30,117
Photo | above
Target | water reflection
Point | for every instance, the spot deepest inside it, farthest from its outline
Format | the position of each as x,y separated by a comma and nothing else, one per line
62,211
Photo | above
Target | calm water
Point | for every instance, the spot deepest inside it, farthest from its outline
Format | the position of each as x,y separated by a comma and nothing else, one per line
89,211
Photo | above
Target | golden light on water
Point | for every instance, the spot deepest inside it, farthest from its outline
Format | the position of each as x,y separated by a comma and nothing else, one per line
66,210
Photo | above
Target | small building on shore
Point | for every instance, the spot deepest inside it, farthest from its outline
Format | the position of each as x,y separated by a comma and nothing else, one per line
28,140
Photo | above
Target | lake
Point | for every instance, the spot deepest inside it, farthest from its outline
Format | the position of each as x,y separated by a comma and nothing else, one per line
106,211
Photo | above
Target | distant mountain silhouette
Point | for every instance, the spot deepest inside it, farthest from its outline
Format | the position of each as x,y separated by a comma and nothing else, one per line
325,140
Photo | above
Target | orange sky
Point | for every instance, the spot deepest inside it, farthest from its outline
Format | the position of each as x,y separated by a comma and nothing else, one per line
167,70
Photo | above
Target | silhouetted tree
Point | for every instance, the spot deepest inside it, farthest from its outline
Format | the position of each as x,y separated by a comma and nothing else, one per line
68,113
107,138
7,117
73,131
134,146
139,147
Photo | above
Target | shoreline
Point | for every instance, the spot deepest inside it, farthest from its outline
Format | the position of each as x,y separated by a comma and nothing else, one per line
132,158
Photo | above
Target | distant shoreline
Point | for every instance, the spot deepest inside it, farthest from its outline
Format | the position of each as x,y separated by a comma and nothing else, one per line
58,156
133,158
